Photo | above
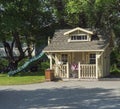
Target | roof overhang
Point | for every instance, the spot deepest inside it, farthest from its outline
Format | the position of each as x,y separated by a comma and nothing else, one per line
52,51
80,29
92,50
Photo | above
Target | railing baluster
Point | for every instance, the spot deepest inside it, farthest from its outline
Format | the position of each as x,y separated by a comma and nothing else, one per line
91,73
83,71
87,71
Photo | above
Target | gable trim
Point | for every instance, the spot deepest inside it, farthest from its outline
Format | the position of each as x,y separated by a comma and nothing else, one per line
78,28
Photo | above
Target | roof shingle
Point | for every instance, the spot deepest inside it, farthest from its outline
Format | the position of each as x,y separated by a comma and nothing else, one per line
60,43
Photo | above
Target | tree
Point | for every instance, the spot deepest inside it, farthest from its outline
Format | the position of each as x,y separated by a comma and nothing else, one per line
20,22
75,10
103,14
92,13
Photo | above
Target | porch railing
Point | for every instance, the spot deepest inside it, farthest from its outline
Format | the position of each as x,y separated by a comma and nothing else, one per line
62,71
87,71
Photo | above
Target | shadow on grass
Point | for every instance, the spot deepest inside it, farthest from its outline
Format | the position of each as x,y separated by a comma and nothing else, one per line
29,73
77,98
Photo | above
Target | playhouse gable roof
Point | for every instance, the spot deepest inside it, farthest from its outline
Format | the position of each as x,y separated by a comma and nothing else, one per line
60,43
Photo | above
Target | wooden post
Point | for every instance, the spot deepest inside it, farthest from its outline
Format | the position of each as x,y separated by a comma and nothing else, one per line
102,68
97,56
50,58
50,62
79,70
108,64
67,70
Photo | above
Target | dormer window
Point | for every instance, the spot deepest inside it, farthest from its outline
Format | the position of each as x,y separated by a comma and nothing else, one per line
78,34
79,37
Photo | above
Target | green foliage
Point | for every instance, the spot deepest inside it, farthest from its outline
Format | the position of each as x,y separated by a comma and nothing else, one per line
22,21
22,62
88,13
75,6
115,71
75,9
26,17
41,67
115,61
45,65
3,63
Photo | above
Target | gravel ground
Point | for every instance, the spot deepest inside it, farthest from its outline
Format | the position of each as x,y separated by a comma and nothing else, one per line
62,95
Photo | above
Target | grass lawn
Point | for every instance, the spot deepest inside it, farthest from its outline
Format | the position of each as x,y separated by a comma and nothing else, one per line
21,79
25,77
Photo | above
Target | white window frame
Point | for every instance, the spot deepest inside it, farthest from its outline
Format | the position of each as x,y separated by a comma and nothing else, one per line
92,58
76,36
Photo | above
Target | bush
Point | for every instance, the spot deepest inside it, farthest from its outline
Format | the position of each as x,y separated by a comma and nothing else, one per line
115,59
3,64
115,70
45,65
22,62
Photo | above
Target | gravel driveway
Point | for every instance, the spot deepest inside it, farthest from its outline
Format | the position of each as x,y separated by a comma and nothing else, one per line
62,95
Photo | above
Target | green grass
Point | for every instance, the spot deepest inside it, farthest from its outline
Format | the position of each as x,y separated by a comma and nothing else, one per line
25,77
21,79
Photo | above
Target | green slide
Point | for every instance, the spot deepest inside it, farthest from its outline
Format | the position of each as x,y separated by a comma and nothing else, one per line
25,65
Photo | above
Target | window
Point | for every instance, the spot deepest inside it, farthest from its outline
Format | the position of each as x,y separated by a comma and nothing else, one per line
79,37
64,58
92,58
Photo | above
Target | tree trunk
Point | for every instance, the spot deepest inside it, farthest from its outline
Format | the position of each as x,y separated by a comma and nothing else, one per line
13,64
30,47
18,45
9,49
13,60
82,20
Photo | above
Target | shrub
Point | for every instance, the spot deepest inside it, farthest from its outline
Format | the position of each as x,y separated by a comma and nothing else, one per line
45,65
3,64
22,62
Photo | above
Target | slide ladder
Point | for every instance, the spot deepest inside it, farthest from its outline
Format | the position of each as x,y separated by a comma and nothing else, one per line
26,64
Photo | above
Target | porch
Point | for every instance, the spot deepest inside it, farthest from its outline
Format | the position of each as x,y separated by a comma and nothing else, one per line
82,71
81,65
